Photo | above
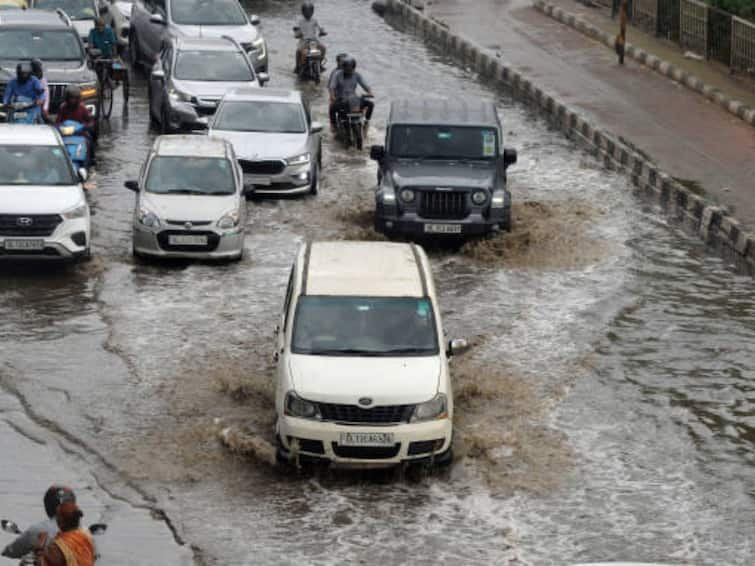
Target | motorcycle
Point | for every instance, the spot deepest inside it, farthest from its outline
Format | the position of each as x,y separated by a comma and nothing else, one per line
95,529
23,111
311,69
77,144
350,125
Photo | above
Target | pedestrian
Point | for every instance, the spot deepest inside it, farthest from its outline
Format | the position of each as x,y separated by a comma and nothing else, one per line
621,39
73,546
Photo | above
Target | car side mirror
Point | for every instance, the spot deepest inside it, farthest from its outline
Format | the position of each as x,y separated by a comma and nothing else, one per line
509,157
315,127
377,152
97,528
254,19
83,175
10,527
263,78
132,185
248,189
157,19
158,74
457,346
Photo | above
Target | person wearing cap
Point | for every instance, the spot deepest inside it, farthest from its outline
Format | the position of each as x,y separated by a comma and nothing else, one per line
27,541
72,546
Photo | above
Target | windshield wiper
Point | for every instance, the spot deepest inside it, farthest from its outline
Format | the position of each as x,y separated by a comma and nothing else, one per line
184,192
409,351
345,352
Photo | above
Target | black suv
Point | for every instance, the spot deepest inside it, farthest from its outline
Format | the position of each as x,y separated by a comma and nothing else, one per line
442,171
50,37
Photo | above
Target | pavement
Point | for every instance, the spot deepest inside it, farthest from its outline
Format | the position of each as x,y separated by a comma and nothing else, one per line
690,138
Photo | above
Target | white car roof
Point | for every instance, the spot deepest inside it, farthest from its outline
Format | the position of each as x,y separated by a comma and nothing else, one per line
190,146
23,134
367,269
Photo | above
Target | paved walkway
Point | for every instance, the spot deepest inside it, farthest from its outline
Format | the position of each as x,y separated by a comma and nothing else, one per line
689,137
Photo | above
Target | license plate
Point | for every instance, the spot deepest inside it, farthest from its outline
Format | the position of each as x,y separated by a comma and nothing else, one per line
443,228
366,439
187,240
20,114
257,180
24,244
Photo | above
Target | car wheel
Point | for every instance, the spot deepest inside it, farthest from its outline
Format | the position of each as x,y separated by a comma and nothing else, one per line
506,224
86,256
314,186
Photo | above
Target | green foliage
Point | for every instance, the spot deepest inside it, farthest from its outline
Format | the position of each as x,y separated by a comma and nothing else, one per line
742,8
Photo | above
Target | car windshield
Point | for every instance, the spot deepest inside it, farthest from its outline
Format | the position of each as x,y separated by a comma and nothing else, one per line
353,326
260,116
190,175
212,66
47,45
207,12
75,9
35,165
443,142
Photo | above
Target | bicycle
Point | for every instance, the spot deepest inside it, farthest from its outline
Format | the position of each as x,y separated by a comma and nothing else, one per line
111,72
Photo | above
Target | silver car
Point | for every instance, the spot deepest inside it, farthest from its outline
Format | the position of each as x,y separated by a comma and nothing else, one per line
191,76
278,145
156,21
190,200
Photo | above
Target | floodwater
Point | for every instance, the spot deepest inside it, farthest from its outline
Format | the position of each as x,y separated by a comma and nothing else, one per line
606,411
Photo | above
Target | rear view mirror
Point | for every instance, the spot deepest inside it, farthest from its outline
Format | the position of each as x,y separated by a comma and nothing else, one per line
263,78
132,186
377,152
509,157
157,19
315,128
457,346
83,175
158,74
254,19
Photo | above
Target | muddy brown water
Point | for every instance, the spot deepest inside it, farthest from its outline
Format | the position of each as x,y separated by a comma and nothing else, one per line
607,410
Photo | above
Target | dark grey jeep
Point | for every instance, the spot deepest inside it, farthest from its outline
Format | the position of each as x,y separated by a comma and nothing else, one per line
442,171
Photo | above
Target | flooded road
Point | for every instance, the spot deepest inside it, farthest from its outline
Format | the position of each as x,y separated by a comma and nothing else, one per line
607,410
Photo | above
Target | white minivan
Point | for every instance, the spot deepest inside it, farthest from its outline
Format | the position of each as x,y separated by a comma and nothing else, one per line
362,367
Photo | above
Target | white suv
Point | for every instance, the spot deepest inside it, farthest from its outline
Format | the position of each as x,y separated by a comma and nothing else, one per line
362,377
43,210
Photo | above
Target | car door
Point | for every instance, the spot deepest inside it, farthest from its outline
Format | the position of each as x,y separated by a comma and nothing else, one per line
159,80
152,40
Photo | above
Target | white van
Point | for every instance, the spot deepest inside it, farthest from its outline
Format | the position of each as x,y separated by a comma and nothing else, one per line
362,367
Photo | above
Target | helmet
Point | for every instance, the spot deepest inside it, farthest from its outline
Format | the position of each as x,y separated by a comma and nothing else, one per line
307,9
340,57
55,495
73,92
23,72
348,64
36,67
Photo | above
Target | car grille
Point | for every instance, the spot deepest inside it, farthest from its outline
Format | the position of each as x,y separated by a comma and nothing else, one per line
352,414
192,222
163,238
29,225
269,167
443,204
366,452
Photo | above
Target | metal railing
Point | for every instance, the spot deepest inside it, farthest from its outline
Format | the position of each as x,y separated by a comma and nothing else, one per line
693,26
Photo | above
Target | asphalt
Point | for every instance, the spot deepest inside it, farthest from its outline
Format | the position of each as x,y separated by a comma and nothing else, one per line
689,137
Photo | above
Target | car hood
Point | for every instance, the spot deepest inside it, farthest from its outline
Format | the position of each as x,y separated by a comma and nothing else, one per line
55,72
243,34
210,89
443,174
194,208
260,145
387,381
42,199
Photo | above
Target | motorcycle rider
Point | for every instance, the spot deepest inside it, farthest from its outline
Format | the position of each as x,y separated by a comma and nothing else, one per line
72,546
343,86
339,59
308,29
38,71
26,542
25,84
73,109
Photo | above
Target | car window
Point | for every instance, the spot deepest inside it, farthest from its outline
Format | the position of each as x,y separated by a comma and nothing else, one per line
75,9
51,166
190,175
217,66
207,12
48,45
158,7
261,116
443,142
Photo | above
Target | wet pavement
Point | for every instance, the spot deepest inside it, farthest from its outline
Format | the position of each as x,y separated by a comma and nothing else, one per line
606,411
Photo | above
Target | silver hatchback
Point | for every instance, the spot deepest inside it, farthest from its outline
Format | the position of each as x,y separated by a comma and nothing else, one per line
278,145
190,200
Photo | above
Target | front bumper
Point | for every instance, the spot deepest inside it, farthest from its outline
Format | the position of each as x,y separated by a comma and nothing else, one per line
414,442
69,241
293,180
224,244
412,225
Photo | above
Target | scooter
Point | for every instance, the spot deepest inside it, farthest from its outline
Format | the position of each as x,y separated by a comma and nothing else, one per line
95,529
350,125
76,143
24,111
311,69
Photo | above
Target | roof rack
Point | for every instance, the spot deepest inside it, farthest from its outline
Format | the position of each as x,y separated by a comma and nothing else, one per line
64,17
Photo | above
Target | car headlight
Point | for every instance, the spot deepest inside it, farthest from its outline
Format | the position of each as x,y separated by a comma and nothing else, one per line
302,159
259,45
298,407
389,195
229,220
479,197
149,219
435,409
79,211
178,96
88,90
407,195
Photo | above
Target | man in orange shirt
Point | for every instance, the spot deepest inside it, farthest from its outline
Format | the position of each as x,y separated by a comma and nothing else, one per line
73,546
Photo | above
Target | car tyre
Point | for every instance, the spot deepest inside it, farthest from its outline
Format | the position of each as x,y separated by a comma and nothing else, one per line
314,185
506,223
